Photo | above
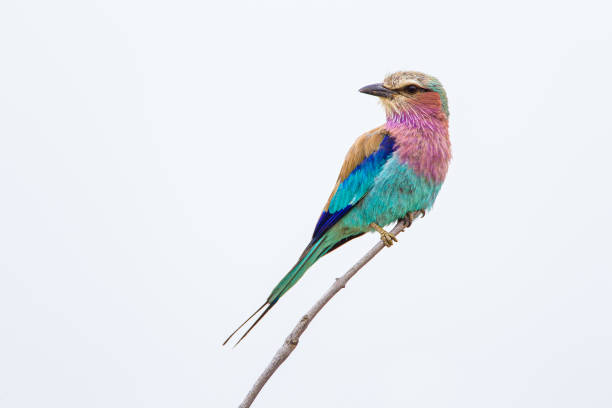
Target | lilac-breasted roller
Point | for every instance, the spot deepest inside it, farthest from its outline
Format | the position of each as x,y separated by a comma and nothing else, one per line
390,173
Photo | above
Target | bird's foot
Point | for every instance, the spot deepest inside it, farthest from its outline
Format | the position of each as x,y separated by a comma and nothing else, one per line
411,216
386,237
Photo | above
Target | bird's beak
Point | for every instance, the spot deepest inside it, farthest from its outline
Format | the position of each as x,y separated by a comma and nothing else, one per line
377,90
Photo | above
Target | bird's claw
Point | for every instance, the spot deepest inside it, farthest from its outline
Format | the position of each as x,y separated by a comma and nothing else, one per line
411,216
387,238
408,220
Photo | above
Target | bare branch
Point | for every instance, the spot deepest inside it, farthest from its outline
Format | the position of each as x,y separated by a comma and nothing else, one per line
292,340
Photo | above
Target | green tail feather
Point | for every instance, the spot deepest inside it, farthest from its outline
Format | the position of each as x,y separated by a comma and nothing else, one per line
310,256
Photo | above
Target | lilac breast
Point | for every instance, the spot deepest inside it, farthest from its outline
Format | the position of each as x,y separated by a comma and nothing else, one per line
423,145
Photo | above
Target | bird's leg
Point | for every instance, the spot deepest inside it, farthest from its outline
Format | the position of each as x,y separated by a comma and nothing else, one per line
410,217
386,237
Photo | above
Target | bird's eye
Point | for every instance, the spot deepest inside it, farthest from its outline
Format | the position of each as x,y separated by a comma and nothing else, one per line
411,89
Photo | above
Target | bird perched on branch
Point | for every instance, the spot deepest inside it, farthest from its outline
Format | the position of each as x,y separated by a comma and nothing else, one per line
391,172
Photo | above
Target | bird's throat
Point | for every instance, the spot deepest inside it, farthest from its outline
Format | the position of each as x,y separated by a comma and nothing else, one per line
422,142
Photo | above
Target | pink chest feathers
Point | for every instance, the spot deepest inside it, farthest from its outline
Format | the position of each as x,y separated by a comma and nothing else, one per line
424,147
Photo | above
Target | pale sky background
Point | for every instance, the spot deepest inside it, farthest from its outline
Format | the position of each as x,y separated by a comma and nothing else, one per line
162,165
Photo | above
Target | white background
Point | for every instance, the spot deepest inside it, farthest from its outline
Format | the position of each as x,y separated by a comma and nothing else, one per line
162,165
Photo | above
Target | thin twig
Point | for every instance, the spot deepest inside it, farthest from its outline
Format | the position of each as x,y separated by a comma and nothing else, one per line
292,340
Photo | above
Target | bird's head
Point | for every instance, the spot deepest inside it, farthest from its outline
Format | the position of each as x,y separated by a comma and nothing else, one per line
410,93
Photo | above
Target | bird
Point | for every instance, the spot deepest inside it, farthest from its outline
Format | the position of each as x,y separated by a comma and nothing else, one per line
393,172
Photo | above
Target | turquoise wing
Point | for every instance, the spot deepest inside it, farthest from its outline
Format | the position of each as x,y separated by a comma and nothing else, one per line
363,163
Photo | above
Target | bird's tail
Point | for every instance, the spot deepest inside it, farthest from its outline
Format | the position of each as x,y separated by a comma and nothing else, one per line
311,254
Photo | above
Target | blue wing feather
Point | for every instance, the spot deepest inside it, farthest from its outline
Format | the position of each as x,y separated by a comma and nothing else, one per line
354,187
